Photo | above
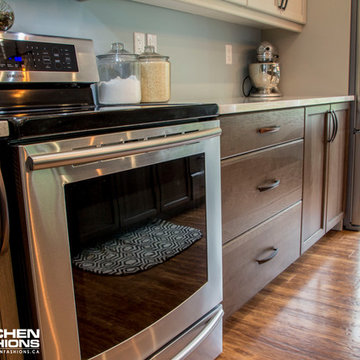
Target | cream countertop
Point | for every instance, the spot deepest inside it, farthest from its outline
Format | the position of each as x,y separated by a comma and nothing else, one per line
240,105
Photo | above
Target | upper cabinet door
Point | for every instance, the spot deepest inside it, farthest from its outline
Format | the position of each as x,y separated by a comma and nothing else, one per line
259,13
294,10
238,2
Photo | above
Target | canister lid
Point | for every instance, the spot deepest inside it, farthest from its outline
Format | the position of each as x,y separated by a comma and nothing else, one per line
150,54
118,53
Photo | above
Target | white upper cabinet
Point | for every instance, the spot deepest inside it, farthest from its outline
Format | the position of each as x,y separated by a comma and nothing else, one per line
263,14
293,10
238,2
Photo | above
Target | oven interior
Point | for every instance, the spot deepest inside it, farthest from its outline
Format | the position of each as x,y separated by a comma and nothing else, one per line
106,209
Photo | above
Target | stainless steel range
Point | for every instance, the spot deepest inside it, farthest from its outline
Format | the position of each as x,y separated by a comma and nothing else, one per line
115,225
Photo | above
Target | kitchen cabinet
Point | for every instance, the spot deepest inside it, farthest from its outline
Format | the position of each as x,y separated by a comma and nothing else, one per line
337,168
238,2
259,185
304,148
313,227
325,155
294,10
243,12
255,258
261,176
247,132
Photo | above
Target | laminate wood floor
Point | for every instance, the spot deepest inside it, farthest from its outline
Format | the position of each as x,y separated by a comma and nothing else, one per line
309,312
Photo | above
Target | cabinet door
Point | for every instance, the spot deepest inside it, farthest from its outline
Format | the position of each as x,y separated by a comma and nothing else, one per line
315,145
337,162
238,2
294,10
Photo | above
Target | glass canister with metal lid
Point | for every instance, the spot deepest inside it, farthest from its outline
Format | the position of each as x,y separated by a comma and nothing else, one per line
155,76
119,73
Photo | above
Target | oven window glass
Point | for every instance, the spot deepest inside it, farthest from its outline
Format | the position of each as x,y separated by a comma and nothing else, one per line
138,248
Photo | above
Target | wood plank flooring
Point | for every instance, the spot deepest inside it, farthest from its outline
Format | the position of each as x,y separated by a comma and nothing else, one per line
309,312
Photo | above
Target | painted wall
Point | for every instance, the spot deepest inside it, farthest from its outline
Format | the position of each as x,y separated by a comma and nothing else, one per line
316,61
195,44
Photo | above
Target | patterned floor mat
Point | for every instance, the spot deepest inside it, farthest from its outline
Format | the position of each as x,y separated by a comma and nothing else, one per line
138,250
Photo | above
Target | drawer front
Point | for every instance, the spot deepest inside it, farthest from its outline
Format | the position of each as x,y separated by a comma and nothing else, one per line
243,275
246,132
257,186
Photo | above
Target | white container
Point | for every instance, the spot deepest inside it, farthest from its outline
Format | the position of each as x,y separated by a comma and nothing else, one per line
119,73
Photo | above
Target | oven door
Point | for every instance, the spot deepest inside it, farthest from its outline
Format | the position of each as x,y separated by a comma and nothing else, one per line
124,238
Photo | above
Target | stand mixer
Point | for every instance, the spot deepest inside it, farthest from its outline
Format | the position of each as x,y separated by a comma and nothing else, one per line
265,74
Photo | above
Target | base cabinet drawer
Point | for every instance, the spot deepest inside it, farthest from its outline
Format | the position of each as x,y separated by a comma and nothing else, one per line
247,132
257,186
255,258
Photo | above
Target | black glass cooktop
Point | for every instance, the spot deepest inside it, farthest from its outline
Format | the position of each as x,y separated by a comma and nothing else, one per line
32,124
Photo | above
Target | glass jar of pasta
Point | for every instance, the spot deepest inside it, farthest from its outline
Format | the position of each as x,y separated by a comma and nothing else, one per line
155,76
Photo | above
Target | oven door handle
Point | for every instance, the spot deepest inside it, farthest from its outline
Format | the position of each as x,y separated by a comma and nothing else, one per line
4,240
189,348
83,156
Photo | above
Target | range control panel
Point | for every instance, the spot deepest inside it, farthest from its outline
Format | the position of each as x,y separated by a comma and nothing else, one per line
22,55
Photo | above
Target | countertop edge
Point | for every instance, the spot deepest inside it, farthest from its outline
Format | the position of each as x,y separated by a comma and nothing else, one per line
251,105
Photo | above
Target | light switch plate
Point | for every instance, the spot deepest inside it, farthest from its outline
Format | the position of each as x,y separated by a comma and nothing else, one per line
151,39
139,42
228,54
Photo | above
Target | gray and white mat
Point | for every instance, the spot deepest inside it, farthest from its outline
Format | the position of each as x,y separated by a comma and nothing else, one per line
138,250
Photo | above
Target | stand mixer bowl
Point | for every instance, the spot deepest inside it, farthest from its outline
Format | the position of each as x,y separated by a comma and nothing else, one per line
265,78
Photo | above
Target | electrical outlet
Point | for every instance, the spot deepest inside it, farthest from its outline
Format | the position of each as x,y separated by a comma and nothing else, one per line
139,42
151,39
228,54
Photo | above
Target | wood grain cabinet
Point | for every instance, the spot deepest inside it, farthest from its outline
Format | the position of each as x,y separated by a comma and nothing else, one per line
258,256
258,185
325,159
261,170
242,133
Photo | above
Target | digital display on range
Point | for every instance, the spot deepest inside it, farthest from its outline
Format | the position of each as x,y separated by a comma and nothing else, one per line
16,55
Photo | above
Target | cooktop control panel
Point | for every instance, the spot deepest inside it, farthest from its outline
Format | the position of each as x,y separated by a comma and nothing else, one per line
37,59
18,55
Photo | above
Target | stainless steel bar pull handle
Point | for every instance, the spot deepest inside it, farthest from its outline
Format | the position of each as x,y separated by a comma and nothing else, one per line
336,123
4,240
285,5
269,129
334,126
270,257
280,4
199,338
269,186
82,156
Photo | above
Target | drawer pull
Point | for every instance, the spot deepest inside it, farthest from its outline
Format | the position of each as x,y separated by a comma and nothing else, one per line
269,130
268,258
269,186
